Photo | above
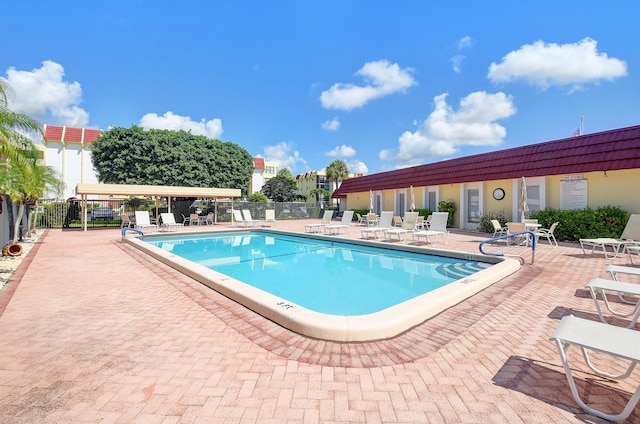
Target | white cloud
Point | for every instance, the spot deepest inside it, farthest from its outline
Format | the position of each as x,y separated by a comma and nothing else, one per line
44,95
544,65
286,156
357,167
343,151
382,79
456,62
465,41
445,130
332,125
170,121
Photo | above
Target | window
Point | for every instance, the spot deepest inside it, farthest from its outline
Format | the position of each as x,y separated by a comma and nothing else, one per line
473,205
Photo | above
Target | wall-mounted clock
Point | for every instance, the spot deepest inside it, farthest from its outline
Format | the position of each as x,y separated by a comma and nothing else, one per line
498,194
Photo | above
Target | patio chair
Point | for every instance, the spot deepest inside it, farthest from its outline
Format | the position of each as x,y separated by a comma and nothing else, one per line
408,226
316,227
209,219
185,219
345,224
588,335
371,219
515,228
438,227
383,224
397,221
248,220
237,218
143,221
420,223
270,216
630,237
127,222
362,220
498,229
194,219
548,234
169,222
620,288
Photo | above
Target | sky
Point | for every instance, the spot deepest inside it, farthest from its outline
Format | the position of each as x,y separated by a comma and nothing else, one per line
380,85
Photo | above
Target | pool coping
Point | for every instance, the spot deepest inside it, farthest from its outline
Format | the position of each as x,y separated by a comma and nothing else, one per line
384,324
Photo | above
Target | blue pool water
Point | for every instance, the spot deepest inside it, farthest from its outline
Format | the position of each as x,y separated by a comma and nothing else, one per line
330,277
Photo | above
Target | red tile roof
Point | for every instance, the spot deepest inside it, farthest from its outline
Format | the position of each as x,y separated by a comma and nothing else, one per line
258,163
604,151
70,134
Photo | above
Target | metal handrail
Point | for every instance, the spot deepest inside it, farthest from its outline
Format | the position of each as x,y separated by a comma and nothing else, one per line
135,230
533,243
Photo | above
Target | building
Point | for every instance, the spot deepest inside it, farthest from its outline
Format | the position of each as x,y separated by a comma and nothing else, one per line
67,151
590,170
263,171
310,181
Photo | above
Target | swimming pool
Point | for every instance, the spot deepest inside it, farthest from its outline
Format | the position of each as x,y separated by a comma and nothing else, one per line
334,289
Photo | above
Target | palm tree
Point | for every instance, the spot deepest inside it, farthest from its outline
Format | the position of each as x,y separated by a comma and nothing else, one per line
24,179
337,172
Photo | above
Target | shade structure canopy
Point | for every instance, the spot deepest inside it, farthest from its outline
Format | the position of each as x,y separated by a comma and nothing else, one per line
155,190
85,189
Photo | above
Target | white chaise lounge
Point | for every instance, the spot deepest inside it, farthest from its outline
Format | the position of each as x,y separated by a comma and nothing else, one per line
345,224
437,227
316,227
620,289
588,335
630,237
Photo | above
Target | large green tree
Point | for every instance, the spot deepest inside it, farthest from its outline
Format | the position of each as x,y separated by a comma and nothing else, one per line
165,157
280,189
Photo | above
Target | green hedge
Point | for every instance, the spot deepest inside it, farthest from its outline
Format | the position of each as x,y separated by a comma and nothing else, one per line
606,221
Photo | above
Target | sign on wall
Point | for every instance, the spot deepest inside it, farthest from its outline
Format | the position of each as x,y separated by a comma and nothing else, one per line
573,192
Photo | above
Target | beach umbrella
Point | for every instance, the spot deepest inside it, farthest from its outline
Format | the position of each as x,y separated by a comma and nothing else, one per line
413,199
370,201
523,207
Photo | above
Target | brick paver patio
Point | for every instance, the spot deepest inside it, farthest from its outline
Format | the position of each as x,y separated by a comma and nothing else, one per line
91,331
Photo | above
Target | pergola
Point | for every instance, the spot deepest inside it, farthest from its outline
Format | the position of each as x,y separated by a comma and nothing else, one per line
83,190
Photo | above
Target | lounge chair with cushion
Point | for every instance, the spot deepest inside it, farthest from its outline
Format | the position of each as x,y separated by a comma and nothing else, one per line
316,227
630,237
408,226
383,224
588,335
169,222
620,288
438,227
143,221
345,224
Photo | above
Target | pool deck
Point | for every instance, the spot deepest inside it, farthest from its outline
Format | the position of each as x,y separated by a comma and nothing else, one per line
92,331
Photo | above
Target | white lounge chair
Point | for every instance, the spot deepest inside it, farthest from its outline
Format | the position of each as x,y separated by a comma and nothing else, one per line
237,218
437,227
592,335
248,220
630,237
143,222
345,224
169,222
548,234
620,288
498,229
269,216
386,218
316,227
614,270
408,226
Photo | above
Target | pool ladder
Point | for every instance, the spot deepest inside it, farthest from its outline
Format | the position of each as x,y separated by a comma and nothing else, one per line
529,233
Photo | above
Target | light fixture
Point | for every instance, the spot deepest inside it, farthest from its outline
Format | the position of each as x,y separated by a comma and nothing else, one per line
605,174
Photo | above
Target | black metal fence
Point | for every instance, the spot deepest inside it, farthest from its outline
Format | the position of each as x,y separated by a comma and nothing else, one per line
108,212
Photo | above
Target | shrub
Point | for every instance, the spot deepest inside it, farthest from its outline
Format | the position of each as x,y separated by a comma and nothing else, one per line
423,212
605,221
486,226
448,206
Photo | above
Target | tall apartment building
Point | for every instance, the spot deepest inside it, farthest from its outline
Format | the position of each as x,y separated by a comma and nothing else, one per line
263,171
